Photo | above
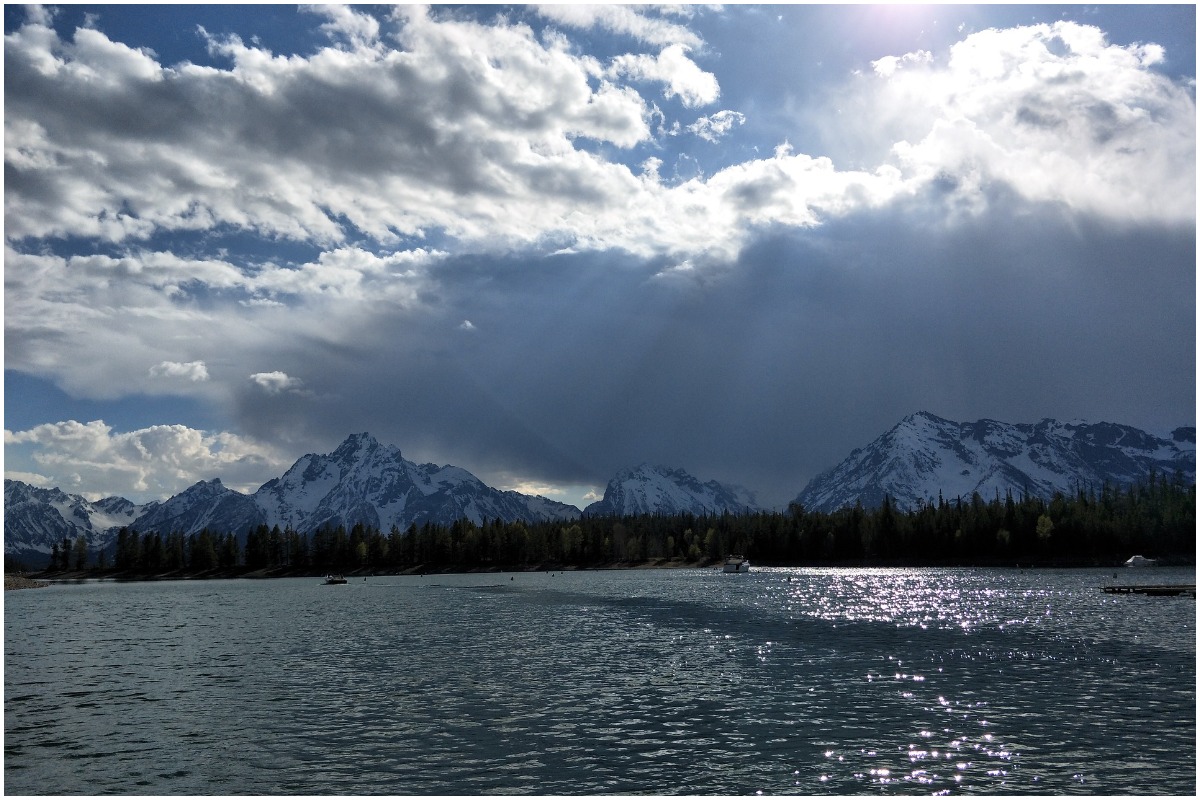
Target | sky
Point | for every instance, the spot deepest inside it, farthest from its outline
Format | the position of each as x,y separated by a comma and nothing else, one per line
548,243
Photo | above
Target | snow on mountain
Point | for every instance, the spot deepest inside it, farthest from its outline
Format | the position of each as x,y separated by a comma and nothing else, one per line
36,519
206,504
925,457
369,482
649,489
362,481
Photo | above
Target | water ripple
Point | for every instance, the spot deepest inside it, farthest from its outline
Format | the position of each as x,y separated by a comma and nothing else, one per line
781,681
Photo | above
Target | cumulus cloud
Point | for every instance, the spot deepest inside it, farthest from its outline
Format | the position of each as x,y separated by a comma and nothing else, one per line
150,463
472,131
194,371
672,67
623,19
1055,112
465,128
277,382
40,14
886,67
712,128
357,29
33,479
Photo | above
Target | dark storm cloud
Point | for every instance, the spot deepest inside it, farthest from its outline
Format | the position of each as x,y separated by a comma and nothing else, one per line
774,370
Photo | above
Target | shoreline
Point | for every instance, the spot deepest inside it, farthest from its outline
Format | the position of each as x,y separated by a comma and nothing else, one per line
73,576
13,582
45,578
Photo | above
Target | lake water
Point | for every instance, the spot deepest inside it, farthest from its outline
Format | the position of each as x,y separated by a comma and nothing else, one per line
809,681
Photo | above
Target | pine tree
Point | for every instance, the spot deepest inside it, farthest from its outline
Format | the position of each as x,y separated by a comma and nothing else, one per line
81,553
202,553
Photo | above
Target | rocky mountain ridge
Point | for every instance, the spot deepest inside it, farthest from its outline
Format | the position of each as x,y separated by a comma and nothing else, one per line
649,489
922,458
362,481
925,457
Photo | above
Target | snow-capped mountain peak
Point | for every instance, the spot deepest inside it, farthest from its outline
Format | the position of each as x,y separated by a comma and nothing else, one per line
36,519
652,489
925,456
361,481
364,481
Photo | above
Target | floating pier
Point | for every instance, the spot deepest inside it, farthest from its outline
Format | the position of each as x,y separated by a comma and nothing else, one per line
1172,590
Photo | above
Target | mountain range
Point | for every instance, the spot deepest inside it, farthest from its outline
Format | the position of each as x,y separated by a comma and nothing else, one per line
922,458
925,457
362,481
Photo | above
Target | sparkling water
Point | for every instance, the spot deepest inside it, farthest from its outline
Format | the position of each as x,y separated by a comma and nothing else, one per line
802,681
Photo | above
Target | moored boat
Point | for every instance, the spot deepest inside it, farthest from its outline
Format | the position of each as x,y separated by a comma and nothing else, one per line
1139,561
736,564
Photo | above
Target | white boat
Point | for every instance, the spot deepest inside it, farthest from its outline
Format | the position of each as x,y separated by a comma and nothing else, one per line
736,564
334,579
1139,561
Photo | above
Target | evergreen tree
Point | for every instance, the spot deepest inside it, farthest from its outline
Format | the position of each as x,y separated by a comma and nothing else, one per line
175,549
81,553
258,554
276,547
229,552
151,553
202,552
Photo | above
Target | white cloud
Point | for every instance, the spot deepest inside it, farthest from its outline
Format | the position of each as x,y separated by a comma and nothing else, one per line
470,132
713,128
692,85
277,382
623,19
194,371
359,30
1055,112
886,67
465,128
32,478
151,463
39,14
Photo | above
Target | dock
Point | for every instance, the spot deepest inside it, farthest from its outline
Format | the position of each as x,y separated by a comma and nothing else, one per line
1172,590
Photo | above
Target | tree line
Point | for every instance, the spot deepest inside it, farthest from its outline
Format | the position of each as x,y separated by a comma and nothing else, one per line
1156,518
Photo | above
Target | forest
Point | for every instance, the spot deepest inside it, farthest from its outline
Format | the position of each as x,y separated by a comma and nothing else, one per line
1155,519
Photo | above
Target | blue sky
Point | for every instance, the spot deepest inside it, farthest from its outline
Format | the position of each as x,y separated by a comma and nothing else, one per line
544,244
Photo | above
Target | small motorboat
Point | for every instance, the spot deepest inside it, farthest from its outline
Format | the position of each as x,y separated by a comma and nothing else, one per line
1139,561
736,564
331,580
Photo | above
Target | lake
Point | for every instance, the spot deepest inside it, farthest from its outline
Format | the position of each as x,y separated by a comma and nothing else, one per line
801,681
